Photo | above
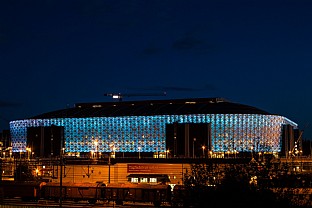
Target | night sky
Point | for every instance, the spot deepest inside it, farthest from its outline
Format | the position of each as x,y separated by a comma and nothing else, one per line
55,53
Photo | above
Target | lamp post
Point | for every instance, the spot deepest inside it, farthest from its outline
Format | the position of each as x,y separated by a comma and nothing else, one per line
28,150
109,163
96,148
210,153
203,147
111,149
167,153
114,152
139,149
61,175
194,140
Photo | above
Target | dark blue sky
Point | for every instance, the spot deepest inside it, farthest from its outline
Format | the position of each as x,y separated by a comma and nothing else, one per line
56,53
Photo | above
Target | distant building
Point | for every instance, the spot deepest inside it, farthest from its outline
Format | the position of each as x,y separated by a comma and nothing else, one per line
196,127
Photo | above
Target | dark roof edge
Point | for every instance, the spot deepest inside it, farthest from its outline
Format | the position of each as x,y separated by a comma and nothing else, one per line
176,101
122,108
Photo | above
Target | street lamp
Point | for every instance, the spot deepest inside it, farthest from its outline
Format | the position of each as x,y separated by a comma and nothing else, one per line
203,147
139,149
28,150
96,147
210,153
194,140
251,148
228,153
114,152
112,149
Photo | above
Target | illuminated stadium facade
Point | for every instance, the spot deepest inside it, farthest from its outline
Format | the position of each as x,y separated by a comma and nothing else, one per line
140,126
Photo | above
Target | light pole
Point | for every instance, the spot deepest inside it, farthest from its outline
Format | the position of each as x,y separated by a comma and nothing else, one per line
28,151
114,152
139,149
61,175
210,153
251,148
203,147
109,163
96,148
112,149
194,140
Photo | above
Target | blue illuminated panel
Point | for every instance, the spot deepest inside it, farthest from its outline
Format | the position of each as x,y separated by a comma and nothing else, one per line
241,132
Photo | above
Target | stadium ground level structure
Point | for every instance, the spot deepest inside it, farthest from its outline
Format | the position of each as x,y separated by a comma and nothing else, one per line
197,127
135,170
122,170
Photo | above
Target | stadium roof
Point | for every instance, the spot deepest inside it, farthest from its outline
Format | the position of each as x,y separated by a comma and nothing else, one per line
153,107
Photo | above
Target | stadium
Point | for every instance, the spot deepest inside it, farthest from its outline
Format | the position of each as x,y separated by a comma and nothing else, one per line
192,127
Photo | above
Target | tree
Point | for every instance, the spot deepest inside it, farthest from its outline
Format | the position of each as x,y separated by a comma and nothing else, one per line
238,187
199,183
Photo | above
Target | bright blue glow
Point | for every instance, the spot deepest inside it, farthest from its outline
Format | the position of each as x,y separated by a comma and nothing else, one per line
130,133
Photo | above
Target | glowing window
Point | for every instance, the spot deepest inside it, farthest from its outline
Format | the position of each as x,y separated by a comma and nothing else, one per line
153,180
143,180
134,180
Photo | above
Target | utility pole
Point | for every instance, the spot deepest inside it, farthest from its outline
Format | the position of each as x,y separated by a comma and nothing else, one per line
194,140
109,163
61,171
61,176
